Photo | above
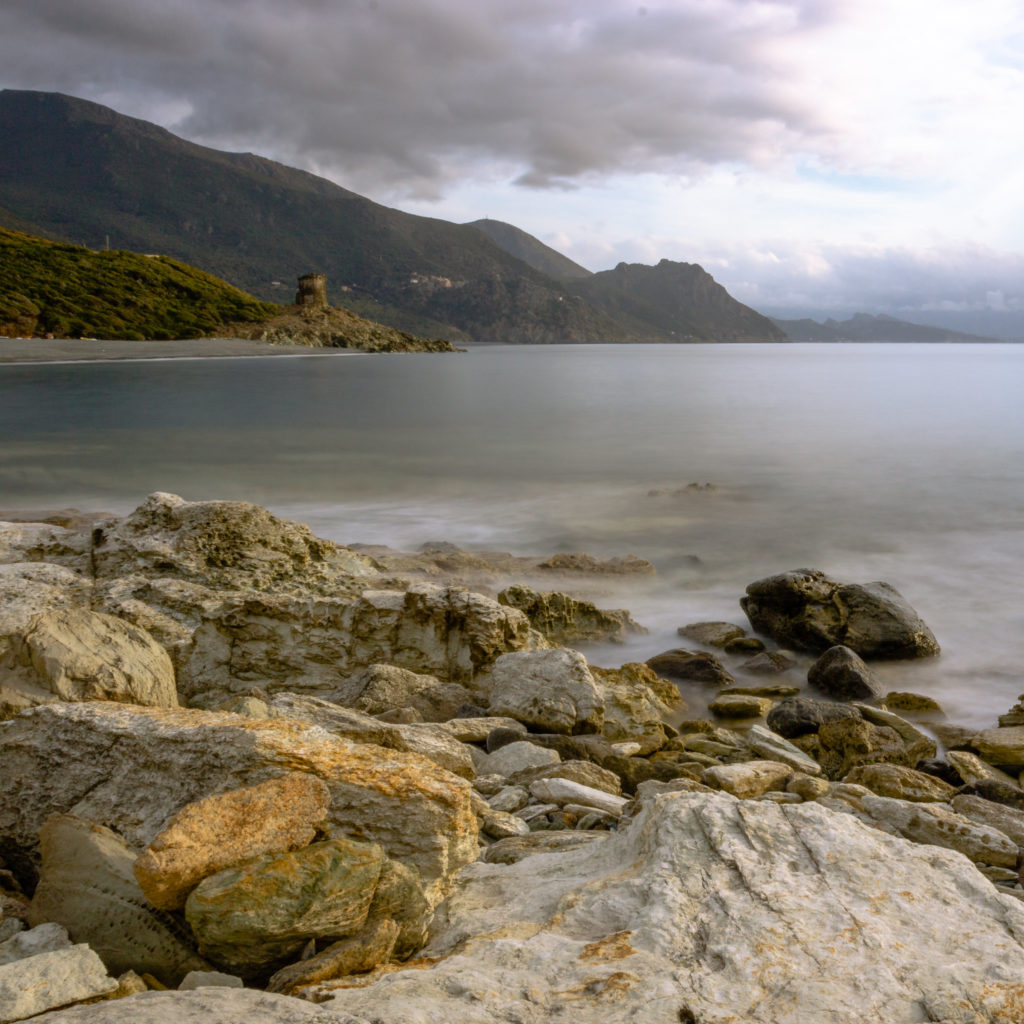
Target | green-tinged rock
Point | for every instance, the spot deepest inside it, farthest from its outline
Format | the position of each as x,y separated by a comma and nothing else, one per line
842,745
739,705
370,946
399,898
252,916
901,783
913,703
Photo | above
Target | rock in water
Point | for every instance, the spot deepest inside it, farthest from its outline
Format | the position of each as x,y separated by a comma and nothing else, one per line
842,675
807,610
710,909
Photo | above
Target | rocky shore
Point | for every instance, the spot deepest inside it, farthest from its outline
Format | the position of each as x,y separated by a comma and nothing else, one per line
250,775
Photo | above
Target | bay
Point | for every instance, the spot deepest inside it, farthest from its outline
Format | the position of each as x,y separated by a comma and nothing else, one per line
894,462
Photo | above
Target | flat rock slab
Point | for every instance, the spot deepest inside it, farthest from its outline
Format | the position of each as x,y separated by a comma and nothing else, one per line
203,1006
715,910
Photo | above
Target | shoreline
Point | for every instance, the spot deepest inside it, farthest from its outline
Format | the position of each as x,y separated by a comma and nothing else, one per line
35,351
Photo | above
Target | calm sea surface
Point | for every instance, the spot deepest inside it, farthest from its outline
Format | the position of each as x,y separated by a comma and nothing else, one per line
896,462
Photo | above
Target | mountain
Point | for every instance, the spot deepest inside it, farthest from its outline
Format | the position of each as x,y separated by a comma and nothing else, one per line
680,300
532,251
865,327
69,291
80,172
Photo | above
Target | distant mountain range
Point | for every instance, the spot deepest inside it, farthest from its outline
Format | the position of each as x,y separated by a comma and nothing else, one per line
76,171
864,327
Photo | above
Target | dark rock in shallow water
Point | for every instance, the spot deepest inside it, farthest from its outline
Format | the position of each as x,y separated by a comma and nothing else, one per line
807,610
842,675
941,769
998,792
797,716
697,666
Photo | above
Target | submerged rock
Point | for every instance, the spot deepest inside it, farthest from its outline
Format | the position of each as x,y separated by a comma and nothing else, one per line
809,611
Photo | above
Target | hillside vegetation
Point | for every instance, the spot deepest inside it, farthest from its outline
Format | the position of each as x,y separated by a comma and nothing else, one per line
79,171
72,292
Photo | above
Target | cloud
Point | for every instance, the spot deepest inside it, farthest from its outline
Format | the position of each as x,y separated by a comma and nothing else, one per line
905,283
415,94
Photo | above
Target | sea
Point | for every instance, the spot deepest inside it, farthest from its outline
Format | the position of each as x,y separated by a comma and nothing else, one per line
720,464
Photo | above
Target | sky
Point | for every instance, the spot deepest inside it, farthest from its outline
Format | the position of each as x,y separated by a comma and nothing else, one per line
818,157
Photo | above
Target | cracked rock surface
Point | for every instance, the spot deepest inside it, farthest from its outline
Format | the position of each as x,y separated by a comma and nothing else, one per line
715,910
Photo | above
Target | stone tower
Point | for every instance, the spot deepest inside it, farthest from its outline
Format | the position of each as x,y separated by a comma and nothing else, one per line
312,290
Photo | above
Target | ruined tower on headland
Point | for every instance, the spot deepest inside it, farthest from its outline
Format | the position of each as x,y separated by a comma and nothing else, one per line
312,290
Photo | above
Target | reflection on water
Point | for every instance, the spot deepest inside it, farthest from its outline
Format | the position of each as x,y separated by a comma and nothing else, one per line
888,462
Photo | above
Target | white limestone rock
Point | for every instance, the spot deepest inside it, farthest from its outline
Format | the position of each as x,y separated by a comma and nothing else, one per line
47,980
564,791
73,654
553,691
749,779
772,747
715,910
208,1005
517,757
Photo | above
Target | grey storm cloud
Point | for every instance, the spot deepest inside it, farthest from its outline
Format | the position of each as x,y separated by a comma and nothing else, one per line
409,95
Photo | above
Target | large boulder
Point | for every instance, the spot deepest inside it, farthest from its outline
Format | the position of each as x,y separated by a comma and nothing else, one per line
203,838
312,645
636,703
73,654
87,885
712,909
430,740
133,768
565,620
224,544
807,610
29,588
262,912
551,690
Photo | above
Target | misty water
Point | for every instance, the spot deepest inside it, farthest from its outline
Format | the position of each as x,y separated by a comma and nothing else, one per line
902,463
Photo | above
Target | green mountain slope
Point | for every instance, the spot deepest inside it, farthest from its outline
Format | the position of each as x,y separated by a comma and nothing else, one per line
530,250
79,171
85,173
70,291
678,300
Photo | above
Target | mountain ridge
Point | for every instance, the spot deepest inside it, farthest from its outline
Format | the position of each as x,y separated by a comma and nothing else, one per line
78,171
868,327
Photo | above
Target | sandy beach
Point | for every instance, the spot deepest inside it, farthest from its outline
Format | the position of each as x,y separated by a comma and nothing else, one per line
40,350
